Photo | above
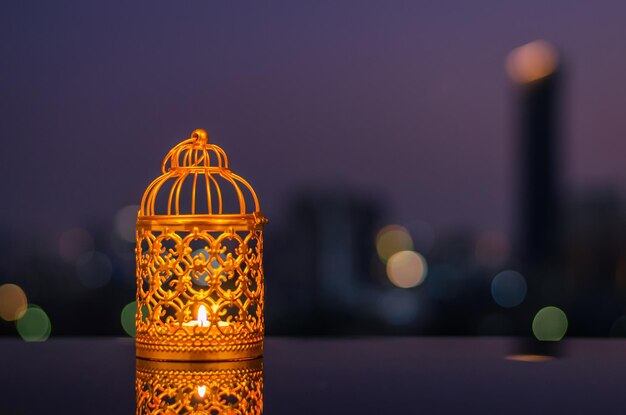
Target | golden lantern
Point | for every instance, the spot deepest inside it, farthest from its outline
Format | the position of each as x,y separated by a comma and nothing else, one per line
200,284
199,387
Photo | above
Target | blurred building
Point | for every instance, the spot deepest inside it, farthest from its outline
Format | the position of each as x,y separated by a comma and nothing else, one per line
319,268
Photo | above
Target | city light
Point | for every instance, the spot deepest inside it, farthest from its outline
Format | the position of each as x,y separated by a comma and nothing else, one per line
392,239
406,269
550,324
508,288
532,61
13,302
35,325
127,318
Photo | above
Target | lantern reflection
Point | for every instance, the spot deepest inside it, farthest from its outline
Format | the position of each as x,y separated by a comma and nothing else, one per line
199,387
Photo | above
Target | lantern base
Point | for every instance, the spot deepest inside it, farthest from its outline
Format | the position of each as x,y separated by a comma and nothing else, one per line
199,354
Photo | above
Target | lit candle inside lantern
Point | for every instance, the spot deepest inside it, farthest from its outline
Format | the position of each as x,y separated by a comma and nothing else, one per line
202,319
201,391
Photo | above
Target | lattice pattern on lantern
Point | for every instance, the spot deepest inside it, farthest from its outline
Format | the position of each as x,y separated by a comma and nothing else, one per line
200,284
199,388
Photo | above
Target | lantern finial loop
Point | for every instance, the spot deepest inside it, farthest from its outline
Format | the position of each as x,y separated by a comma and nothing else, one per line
200,136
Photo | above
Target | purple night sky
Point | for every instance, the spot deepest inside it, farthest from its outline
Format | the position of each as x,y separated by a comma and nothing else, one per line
409,100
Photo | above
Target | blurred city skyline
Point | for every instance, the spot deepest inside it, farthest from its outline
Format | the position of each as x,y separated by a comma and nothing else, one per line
409,102
416,179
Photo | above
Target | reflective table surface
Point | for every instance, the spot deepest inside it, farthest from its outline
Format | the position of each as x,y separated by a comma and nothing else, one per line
317,376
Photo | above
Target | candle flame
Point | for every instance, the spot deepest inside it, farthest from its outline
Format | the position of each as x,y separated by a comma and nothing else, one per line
201,391
202,318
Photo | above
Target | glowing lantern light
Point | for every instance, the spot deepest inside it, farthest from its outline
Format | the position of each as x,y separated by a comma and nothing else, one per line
203,322
200,307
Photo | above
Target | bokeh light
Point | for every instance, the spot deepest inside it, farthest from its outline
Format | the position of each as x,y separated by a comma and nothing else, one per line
128,318
550,324
125,221
492,249
392,239
35,325
532,61
94,269
73,243
508,288
406,269
13,302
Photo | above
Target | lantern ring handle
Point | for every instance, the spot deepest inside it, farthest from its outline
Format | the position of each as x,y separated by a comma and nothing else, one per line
200,136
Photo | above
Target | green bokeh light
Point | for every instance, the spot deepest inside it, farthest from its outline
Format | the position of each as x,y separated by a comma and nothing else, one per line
35,325
550,324
128,318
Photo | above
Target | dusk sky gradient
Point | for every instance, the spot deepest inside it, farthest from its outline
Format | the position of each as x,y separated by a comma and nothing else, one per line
406,100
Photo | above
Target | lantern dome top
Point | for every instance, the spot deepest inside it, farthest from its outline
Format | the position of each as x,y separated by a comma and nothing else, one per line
197,181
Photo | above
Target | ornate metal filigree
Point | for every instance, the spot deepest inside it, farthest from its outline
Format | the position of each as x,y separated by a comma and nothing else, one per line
170,388
200,285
